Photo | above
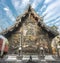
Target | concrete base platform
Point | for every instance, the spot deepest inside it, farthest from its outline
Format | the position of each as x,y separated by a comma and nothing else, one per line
26,58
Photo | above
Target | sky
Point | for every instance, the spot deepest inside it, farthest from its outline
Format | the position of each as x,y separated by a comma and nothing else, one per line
48,9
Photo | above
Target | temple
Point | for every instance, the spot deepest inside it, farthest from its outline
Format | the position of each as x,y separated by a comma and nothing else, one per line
29,33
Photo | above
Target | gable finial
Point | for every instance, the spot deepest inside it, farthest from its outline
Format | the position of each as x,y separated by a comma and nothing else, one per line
29,8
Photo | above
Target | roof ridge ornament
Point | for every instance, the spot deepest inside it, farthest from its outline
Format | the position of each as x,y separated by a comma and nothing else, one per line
29,8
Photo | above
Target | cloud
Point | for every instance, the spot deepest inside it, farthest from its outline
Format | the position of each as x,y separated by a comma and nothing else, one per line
49,10
54,23
52,7
6,9
44,6
9,13
35,3
57,23
47,1
20,5
52,13
0,29
53,19
41,10
59,29
49,14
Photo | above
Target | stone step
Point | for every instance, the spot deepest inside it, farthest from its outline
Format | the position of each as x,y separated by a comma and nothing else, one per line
27,57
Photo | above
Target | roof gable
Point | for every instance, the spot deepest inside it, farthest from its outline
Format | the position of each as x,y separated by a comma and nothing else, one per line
28,14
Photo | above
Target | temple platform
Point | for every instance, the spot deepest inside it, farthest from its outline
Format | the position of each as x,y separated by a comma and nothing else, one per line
26,59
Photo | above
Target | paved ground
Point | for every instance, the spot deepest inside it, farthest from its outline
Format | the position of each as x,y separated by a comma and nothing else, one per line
35,59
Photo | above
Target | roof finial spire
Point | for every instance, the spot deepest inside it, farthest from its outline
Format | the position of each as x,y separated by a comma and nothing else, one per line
29,9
